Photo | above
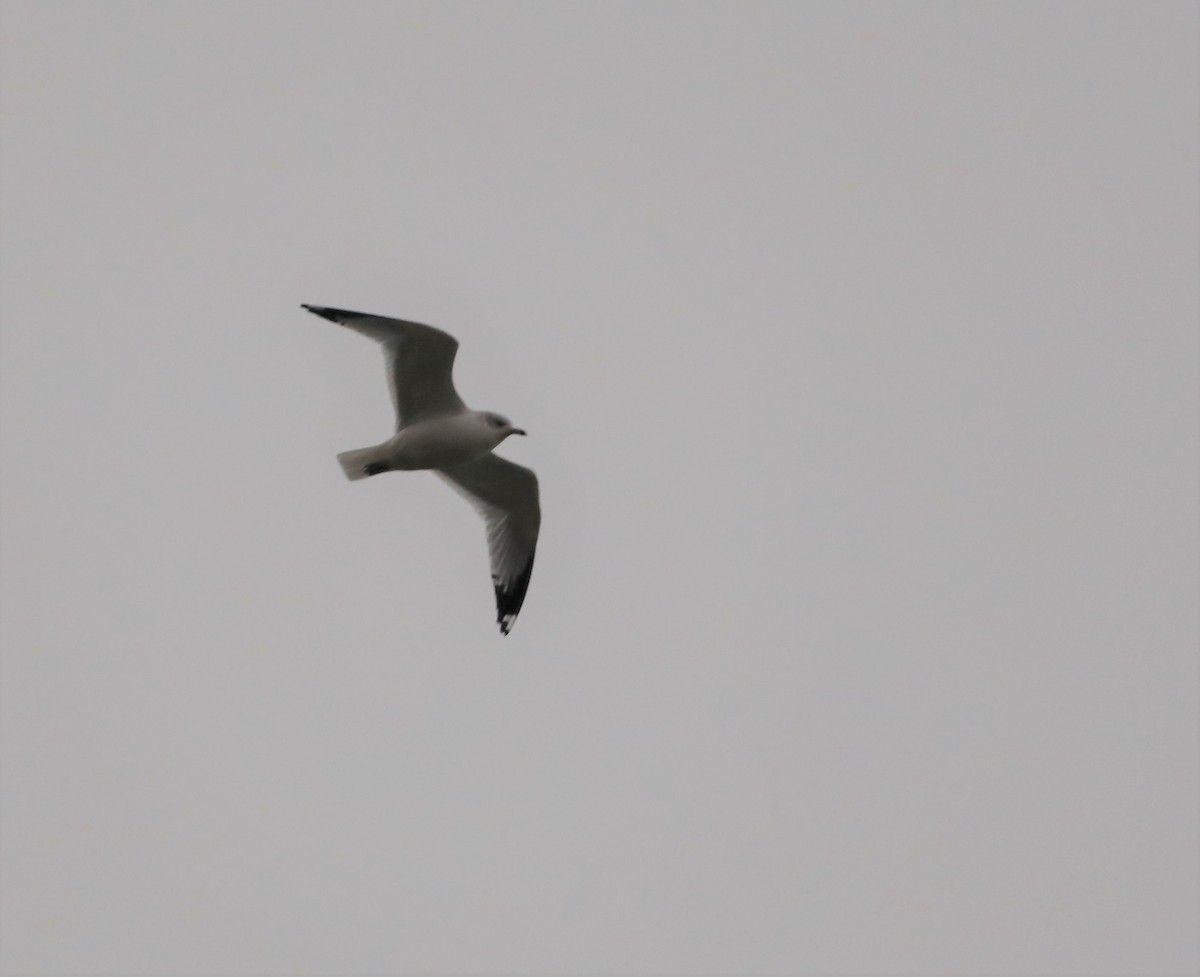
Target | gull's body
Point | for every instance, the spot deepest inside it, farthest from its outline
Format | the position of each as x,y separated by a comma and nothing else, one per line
436,431
439,442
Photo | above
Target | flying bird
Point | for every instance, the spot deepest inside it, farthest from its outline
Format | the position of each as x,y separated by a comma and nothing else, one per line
435,430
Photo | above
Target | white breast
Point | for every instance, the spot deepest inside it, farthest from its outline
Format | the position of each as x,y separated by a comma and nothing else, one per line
443,442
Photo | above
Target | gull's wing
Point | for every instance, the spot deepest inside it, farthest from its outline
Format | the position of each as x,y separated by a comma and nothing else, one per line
506,495
419,360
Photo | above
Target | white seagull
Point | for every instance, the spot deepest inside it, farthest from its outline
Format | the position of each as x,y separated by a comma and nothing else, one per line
435,430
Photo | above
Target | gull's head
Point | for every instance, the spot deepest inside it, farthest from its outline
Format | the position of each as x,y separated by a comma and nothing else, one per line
500,426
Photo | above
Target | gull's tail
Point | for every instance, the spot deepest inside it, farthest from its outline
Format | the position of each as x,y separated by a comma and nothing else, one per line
364,462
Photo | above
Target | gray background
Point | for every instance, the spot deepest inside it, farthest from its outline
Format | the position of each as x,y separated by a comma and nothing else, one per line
858,349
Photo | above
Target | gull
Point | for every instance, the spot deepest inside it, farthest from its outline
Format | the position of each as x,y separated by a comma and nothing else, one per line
436,431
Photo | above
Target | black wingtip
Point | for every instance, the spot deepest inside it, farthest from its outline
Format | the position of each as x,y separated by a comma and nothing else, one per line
333,315
509,599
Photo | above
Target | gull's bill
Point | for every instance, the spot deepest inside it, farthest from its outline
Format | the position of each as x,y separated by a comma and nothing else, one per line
506,496
419,363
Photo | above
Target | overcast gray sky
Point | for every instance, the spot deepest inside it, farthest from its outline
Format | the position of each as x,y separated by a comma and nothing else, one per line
858,349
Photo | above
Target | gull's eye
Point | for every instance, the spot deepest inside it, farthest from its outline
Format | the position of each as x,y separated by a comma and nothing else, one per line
497,421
